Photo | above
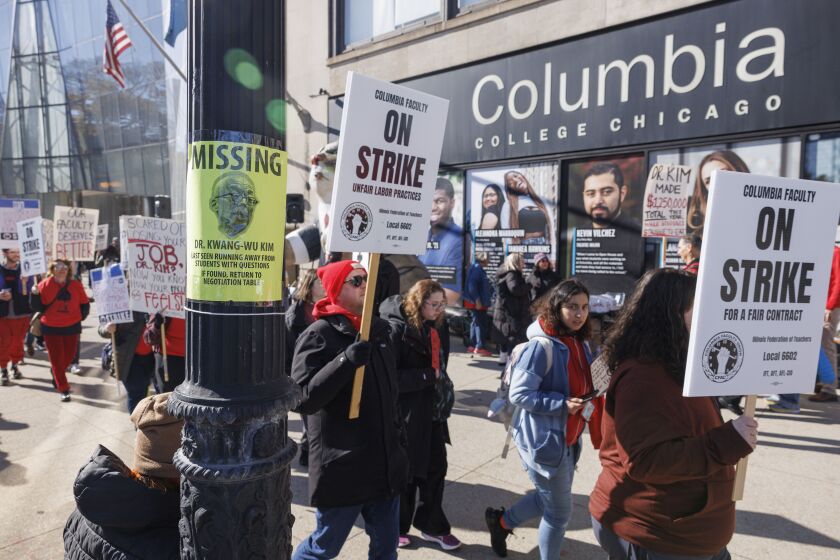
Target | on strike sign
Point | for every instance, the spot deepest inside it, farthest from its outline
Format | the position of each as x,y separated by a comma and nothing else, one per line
666,200
32,251
75,233
111,294
156,264
762,287
388,157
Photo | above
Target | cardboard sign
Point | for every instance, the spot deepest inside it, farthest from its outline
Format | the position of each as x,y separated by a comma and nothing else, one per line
601,374
388,156
156,264
13,211
762,287
33,259
49,238
75,233
101,237
111,294
666,200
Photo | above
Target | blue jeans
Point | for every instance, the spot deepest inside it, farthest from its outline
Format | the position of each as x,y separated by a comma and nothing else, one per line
789,400
478,328
334,524
136,382
552,502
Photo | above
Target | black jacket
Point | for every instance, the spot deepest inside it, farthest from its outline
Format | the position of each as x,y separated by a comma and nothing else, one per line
541,281
20,302
416,381
351,462
511,315
298,318
117,517
127,337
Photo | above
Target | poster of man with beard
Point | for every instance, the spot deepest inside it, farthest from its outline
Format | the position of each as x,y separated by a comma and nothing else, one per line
607,249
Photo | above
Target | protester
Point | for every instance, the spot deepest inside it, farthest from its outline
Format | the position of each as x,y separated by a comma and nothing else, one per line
665,489
826,392
169,377
510,313
478,296
133,357
356,466
298,318
110,254
551,417
64,305
688,248
15,314
128,514
542,278
422,354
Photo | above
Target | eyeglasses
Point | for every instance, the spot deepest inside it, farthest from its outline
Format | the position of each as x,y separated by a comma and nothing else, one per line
435,306
356,281
60,266
575,308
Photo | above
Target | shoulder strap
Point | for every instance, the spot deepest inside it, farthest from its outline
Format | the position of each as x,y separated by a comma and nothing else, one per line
62,289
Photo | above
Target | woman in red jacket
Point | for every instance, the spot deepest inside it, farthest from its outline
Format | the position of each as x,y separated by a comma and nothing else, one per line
665,488
64,305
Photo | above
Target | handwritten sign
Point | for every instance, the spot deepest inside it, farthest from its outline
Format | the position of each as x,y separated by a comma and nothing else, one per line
75,233
33,259
101,237
13,211
111,293
666,200
157,251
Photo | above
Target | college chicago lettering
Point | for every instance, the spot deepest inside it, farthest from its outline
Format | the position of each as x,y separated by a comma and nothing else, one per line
236,157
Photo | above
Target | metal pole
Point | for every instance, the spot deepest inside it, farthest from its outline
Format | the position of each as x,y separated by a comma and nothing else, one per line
235,452
153,39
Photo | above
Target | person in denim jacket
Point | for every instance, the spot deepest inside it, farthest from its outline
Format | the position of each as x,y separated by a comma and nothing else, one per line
554,400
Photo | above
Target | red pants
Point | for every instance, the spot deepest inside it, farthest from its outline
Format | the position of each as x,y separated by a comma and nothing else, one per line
12,333
61,349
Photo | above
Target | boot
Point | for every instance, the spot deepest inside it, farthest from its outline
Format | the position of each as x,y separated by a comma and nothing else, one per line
16,372
4,377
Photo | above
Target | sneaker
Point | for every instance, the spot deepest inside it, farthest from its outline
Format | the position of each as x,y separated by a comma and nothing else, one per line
403,541
65,396
16,372
483,352
498,534
446,542
470,349
30,350
503,358
40,347
4,377
823,396
775,407
75,369
772,398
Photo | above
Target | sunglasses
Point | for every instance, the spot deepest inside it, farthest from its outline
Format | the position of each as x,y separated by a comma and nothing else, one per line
60,266
356,281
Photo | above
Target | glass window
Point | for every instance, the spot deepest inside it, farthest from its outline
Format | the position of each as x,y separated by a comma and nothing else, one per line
129,119
30,81
32,132
366,19
153,170
59,141
822,157
60,168
26,35
135,180
116,172
111,121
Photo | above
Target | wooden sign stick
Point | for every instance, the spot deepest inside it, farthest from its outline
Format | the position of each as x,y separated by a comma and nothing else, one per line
114,361
364,333
163,348
741,469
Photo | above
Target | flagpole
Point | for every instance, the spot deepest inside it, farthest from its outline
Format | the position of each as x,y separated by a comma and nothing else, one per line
153,39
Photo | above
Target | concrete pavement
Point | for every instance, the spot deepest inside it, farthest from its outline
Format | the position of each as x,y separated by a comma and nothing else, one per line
791,508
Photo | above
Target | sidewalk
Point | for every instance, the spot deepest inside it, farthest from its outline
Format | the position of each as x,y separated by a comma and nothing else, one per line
791,509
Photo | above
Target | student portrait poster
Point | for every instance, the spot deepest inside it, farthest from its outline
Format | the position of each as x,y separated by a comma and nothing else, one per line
607,250
444,256
513,209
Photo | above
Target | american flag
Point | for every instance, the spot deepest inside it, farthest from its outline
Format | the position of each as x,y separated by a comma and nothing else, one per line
116,41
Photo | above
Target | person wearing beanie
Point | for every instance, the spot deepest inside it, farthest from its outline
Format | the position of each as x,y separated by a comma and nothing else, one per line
362,466
542,278
127,513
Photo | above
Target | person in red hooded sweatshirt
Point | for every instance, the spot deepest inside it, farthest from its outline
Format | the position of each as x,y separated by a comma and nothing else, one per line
359,466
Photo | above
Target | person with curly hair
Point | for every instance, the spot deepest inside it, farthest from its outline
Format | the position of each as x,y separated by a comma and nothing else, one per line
665,488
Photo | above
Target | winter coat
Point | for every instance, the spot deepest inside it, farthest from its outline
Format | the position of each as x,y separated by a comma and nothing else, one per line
351,462
416,379
511,316
541,281
126,337
298,318
119,518
478,294
539,427
10,280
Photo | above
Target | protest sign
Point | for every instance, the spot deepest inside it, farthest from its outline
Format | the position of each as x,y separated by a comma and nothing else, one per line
75,233
49,238
666,200
388,156
156,264
761,293
13,211
101,237
111,295
33,259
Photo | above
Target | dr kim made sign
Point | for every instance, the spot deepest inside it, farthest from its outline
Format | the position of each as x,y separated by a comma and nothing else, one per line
388,157
763,283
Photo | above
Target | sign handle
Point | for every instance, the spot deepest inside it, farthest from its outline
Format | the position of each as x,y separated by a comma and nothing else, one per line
163,348
114,361
741,469
364,333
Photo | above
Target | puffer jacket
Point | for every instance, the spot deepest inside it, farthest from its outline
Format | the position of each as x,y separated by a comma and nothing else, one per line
119,518
511,315
539,426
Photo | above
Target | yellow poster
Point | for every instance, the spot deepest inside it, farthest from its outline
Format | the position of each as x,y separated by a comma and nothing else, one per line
236,218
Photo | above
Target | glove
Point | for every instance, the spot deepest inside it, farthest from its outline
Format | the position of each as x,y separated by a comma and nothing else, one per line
358,353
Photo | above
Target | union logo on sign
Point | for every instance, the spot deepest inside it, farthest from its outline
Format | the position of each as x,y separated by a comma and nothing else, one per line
722,357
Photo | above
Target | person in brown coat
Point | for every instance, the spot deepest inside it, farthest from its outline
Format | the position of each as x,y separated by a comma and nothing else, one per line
665,488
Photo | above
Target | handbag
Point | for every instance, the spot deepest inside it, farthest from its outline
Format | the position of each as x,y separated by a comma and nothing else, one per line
444,397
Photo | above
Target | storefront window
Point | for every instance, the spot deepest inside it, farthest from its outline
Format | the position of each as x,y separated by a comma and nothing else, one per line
366,19
822,157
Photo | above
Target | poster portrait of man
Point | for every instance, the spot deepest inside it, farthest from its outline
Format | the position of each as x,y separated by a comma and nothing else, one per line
233,201
444,256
